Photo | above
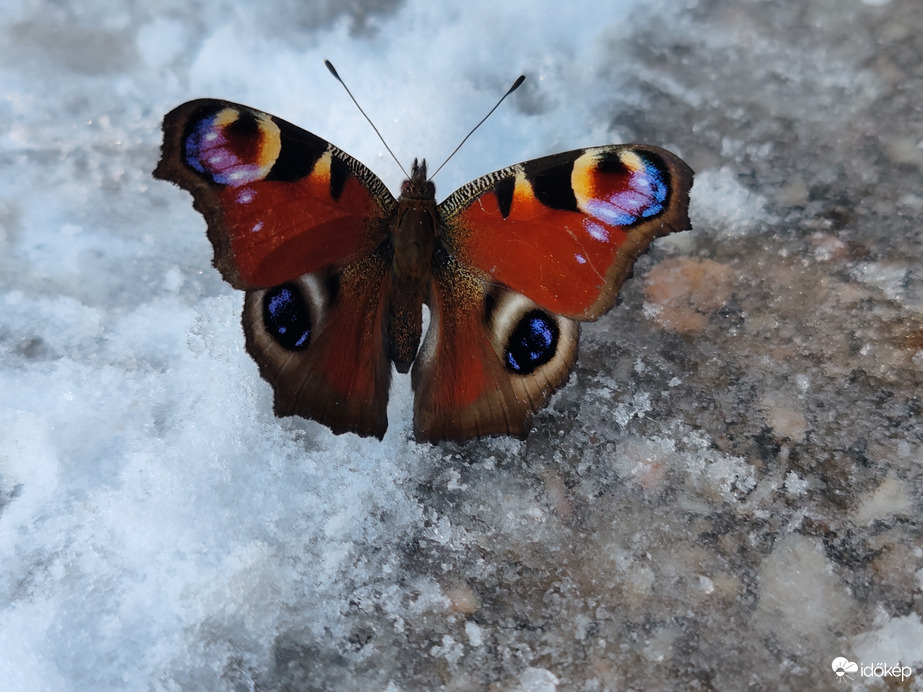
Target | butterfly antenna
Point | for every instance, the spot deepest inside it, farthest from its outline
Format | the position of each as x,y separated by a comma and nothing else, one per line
336,75
513,88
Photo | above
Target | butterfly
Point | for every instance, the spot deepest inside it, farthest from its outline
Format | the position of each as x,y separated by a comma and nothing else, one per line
336,270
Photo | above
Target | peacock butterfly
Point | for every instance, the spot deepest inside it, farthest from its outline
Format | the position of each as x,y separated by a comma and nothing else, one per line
336,271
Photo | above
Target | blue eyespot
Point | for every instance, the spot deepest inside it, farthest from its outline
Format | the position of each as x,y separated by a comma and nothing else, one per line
286,317
640,192
226,153
533,343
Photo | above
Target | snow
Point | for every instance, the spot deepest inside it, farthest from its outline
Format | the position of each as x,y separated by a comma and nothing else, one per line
732,504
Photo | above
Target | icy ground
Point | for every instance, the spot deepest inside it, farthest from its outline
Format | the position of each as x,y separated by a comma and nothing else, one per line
727,494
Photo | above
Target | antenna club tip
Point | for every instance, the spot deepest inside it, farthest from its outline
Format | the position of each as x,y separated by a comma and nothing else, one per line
518,82
331,68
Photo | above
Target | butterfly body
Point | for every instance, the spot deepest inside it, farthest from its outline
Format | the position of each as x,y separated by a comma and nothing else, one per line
336,271
414,236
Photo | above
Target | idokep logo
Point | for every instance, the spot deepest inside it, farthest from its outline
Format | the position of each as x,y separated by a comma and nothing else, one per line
843,667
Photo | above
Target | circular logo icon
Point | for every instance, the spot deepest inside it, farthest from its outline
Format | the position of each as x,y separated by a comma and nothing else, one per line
841,666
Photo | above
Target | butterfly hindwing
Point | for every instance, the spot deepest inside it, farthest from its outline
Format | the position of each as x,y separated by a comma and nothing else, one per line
490,360
321,342
531,249
305,230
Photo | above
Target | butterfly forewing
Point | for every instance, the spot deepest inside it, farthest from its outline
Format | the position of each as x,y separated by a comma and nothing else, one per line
564,230
279,201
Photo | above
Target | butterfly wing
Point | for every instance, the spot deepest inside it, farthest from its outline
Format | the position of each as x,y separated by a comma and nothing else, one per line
490,359
304,229
528,250
321,342
279,201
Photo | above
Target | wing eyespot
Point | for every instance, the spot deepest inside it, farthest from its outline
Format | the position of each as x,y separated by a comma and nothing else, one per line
527,338
623,187
231,146
292,312
532,343
287,318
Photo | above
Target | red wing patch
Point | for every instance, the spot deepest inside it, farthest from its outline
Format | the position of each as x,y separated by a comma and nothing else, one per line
457,346
459,386
280,230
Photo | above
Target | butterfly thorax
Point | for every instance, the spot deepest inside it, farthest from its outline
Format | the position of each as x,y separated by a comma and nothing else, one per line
414,237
